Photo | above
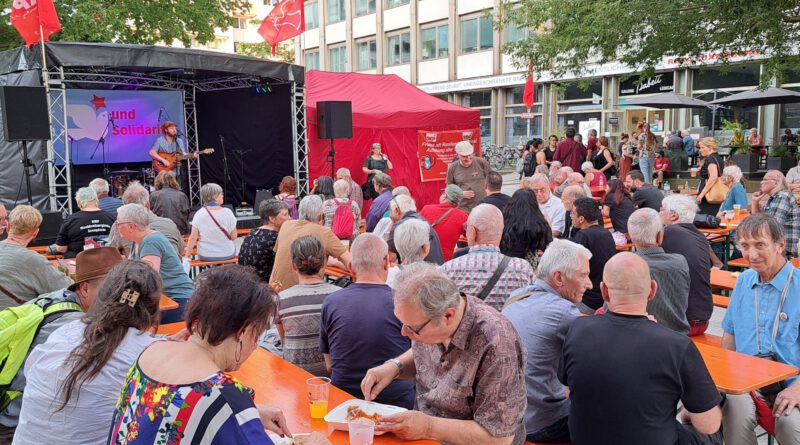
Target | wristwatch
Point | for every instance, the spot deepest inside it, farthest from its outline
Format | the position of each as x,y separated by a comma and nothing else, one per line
397,363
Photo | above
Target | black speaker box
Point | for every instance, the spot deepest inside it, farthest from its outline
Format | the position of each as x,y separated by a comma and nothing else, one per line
335,120
48,231
25,116
261,195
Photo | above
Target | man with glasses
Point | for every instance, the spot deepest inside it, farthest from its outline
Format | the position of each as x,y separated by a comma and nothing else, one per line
470,174
358,329
466,359
549,203
780,204
542,314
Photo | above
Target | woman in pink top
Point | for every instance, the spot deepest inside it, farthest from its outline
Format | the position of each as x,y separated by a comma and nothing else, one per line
594,179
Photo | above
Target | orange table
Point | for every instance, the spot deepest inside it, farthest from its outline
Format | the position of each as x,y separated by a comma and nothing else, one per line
41,250
723,279
167,303
335,271
282,384
739,262
736,373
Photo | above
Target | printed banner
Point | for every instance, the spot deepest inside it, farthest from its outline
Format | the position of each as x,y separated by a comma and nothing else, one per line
124,123
436,150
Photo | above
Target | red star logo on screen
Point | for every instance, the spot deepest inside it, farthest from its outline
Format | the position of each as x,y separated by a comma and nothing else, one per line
98,102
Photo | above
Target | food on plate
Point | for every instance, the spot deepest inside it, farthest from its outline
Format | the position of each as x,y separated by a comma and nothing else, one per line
355,412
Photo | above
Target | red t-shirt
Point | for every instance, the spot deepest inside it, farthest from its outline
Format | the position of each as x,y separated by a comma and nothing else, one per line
660,163
568,156
449,229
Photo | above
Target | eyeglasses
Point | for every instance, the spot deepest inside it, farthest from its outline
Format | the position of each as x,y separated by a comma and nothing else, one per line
420,328
769,179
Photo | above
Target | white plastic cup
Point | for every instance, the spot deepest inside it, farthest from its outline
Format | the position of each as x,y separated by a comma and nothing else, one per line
362,431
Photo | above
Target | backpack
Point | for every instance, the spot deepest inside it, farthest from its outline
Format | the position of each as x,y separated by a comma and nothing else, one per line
19,327
343,220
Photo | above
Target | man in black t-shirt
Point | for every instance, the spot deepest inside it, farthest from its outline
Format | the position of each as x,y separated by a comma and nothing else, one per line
644,194
626,373
494,182
586,217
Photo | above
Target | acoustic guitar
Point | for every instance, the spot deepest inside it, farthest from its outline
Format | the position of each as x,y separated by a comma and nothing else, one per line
175,159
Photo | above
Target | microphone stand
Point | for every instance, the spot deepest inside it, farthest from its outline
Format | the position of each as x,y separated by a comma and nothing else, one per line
226,173
102,141
241,169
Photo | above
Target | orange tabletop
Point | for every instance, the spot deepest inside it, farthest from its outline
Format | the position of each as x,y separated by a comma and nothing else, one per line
736,373
718,231
167,304
335,271
723,279
282,384
735,221
242,232
739,262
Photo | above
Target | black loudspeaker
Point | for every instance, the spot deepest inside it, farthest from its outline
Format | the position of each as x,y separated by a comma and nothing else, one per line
335,120
48,230
25,116
261,195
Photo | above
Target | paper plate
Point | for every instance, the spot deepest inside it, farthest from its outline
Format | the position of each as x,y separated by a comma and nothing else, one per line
337,417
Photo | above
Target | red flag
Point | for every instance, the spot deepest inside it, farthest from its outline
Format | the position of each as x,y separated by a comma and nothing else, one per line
29,16
527,95
285,21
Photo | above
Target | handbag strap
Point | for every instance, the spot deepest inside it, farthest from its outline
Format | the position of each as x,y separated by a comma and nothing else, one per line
227,235
439,219
495,277
11,295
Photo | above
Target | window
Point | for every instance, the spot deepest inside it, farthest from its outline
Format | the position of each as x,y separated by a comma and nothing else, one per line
434,42
366,56
270,2
790,113
312,60
337,59
311,12
239,22
476,34
519,129
445,97
481,100
732,77
399,49
335,11
514,33
395,3
364,7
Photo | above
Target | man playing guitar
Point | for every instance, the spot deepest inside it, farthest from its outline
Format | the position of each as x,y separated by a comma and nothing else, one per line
168,142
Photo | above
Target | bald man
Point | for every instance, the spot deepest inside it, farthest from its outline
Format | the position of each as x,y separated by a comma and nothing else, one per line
627,373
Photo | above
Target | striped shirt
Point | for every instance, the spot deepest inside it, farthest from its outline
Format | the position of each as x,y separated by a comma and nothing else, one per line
214,411
299,311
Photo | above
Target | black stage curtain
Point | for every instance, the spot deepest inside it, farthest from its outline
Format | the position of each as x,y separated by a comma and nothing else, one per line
257,134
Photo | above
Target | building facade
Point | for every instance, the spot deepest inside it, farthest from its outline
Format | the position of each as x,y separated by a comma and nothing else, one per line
450,49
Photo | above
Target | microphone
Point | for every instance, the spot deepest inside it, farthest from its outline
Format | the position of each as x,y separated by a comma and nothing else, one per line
222,139
160,112
179,132
111,119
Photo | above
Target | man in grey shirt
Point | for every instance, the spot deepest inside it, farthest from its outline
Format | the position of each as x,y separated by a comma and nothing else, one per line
669,270
542,314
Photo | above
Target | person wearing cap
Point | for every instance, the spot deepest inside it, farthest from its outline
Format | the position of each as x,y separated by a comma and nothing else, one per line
91,268
447,219
469,173
401,209
24,273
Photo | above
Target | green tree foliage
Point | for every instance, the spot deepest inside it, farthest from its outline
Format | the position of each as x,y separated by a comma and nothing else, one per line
283,53
135,21
573,33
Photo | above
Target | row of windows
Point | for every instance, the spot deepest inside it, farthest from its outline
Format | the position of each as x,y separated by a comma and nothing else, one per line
336,10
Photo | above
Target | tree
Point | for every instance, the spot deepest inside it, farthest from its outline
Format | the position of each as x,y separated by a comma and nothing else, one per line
639,33
283,53
136,21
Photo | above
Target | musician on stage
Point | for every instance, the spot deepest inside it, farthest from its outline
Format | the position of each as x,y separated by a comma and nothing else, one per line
169,142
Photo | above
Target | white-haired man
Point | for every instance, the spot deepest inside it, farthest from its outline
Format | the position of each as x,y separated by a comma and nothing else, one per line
137,194
466,359
310,223
670,271
412,241
568,198
573,178
403,208
683,238
470,174
542,314
89,222
485,273
548,203
107,203
367,303
781,205
355,194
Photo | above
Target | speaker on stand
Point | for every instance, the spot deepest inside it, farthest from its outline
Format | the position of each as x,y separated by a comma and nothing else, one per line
334,121
25,118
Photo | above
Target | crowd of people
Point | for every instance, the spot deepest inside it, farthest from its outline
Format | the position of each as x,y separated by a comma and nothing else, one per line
493,319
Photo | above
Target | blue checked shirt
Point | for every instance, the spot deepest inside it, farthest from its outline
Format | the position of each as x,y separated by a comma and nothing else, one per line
783,208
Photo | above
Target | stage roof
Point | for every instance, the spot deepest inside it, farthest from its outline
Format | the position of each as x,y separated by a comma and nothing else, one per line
159,61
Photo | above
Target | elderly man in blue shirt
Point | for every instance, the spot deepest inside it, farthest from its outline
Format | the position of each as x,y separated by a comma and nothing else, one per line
763,319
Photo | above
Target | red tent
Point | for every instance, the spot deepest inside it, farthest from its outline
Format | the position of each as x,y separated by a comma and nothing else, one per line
388,110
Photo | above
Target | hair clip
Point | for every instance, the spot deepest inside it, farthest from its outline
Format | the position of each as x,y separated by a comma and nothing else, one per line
130,297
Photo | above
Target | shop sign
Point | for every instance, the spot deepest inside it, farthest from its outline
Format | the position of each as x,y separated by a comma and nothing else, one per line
659,83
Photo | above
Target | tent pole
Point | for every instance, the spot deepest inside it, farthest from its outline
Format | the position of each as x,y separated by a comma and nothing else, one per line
331,156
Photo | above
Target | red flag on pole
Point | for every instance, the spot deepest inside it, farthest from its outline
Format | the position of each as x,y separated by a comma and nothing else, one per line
527,94
32,16
285,21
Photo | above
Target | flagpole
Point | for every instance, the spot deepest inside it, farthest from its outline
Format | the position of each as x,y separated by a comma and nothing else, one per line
45,74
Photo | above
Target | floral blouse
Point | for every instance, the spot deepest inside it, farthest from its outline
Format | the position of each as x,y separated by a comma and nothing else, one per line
258,250
218,410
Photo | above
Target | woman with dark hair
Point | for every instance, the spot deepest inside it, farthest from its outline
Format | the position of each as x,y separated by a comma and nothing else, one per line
258,247
287,192
323,186
526,157
647,151
73,379
526,233
603,161
190,381
552,143
618,205
300,306
626,151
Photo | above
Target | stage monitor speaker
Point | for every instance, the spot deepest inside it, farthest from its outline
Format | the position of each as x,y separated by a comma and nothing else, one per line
25,115
48,230
335,120
261,195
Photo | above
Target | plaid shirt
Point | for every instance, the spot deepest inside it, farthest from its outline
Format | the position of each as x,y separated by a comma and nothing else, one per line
783,208
472,272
